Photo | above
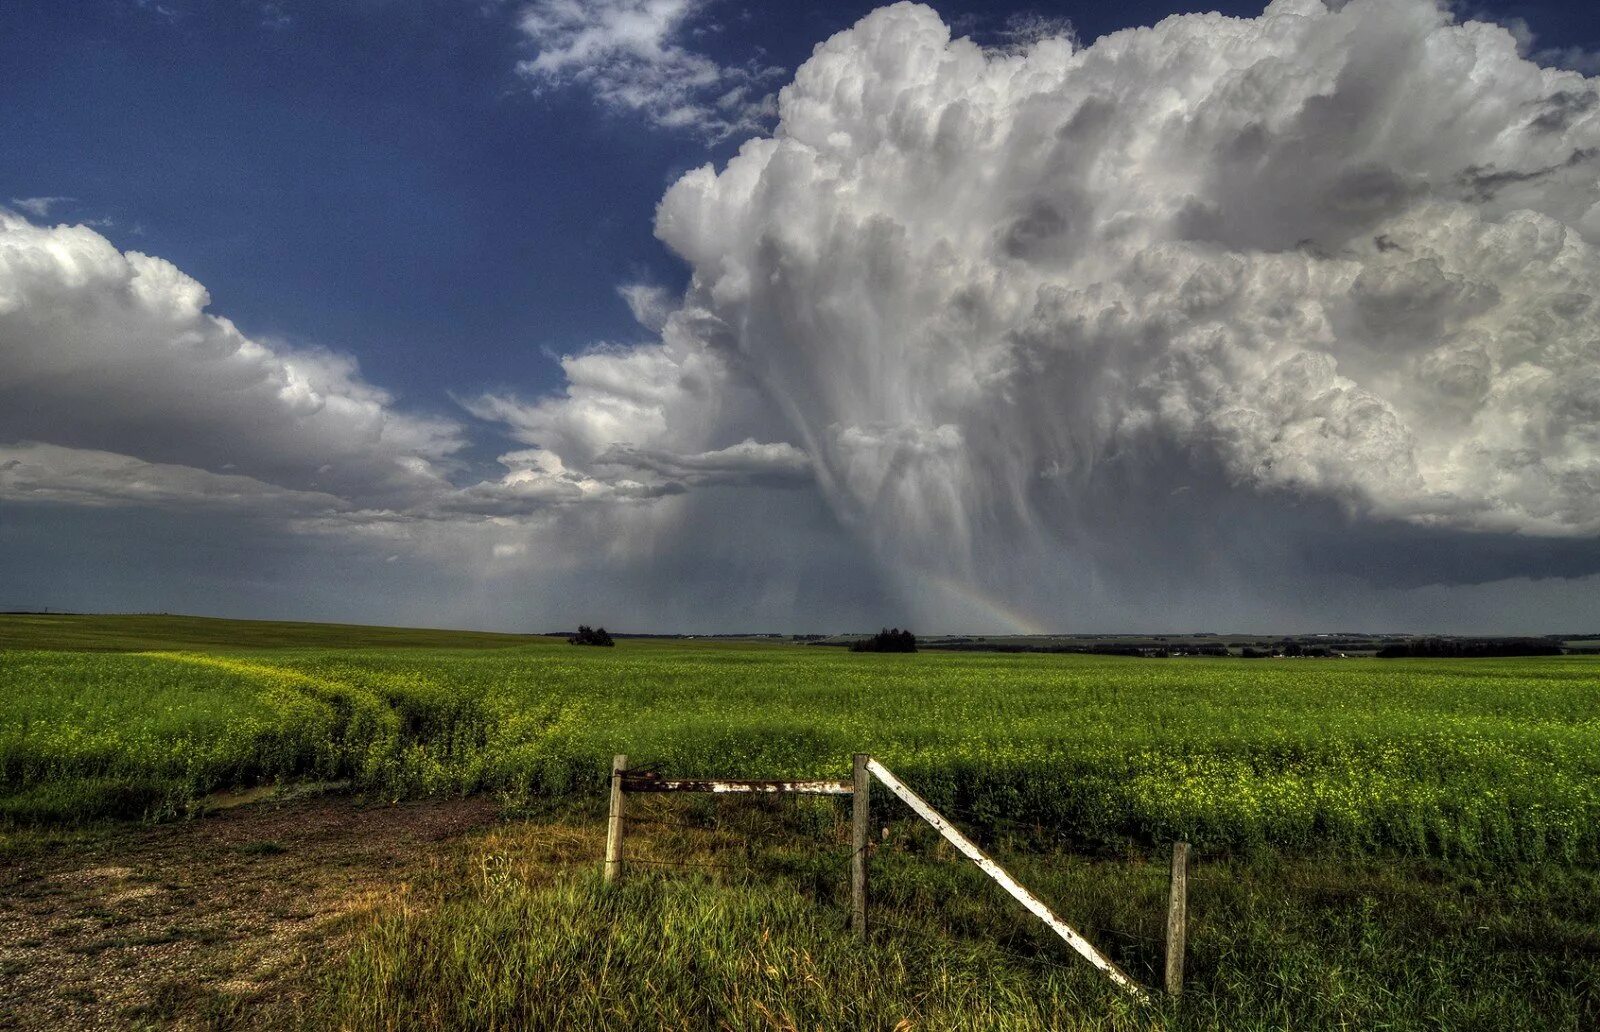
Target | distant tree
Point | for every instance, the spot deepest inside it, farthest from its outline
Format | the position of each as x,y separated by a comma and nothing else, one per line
890,639
591,636
1469,648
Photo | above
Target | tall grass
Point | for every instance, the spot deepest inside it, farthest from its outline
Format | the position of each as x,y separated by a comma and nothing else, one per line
524,936
1473,759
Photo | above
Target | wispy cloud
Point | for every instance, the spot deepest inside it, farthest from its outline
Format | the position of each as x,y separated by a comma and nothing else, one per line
38,207
632,55
1029,27
167,11
275,16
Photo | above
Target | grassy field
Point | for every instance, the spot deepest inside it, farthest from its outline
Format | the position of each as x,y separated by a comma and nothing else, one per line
146,632
1490,759
522,935
1401,844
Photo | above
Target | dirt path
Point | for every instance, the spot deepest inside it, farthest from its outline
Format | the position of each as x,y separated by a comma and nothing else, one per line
217,922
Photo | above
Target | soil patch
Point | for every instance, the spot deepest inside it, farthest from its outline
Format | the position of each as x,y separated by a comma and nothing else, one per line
216,922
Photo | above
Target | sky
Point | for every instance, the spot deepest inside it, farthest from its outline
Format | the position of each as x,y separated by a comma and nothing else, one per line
700,315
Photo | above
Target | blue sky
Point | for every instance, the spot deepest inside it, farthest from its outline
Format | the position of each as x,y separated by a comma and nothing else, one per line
375,176
451,194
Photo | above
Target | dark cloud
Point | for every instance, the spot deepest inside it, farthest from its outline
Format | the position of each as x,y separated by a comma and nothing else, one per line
1558,111
1482,183
745,464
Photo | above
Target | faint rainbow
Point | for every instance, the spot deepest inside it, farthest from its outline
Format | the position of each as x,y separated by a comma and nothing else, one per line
1011,618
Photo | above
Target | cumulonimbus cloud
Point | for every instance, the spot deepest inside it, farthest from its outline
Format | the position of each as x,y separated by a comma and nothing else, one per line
1343,252
1339,254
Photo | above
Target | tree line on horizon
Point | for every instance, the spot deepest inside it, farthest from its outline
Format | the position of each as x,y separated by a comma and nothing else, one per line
890,639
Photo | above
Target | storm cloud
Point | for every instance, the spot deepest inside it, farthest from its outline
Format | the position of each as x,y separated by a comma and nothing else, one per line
1335,266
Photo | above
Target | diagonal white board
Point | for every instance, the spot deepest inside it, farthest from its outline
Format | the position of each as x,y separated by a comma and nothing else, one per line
1034,904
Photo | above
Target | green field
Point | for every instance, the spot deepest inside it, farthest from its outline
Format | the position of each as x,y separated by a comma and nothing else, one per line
1492,759
1452,806
146,632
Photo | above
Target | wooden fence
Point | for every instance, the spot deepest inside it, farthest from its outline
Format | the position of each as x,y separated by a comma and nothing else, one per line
865,770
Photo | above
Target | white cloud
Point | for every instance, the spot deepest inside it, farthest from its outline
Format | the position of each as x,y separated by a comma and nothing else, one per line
650,305
118,388
114,352
38,207
536,480
631,54
666,395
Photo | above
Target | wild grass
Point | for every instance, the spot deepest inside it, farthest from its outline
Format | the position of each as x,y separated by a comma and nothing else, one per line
1379,844
524,935
1488,759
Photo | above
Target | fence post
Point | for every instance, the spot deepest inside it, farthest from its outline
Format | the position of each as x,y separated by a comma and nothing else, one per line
619,763
860,818
1177,917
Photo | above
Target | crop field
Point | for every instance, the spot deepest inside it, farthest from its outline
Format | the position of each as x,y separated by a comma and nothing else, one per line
1461,796
1492,759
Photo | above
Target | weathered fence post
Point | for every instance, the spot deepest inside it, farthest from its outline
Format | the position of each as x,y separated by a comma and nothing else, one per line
860,818
1177,917
619,763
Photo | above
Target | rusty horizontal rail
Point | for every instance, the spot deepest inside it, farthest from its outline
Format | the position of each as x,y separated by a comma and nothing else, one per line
653,783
